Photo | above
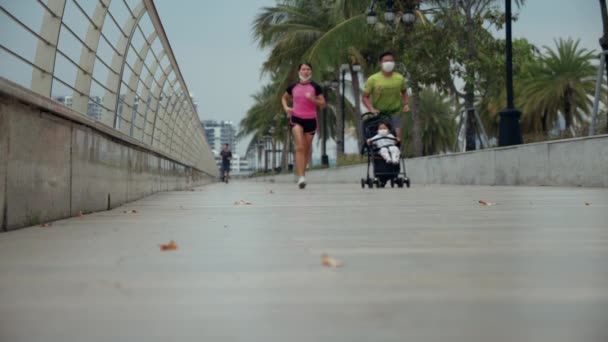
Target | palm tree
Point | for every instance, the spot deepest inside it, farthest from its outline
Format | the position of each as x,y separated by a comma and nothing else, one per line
494,97
323,32
466,23
263,117
564,80
438,129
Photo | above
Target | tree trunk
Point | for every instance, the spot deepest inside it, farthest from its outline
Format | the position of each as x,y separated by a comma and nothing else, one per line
568,108
544,122
323,132
416,120
357,95
273,152
260,149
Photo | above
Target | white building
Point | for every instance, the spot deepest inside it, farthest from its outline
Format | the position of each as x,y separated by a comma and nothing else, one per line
219,133
94,108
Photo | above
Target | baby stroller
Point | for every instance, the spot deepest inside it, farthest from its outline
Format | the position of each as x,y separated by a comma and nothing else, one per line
383,171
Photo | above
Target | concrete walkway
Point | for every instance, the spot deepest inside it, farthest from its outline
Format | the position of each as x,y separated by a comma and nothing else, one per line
420,264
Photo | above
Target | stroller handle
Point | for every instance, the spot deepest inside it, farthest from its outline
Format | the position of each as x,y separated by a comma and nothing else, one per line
384,138
378,114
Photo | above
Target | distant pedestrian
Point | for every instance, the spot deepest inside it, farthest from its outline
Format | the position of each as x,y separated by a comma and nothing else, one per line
226,155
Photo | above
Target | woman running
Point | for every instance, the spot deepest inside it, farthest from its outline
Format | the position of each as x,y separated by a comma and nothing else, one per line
306,95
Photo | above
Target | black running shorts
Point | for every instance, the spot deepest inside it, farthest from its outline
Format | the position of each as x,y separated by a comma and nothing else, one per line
308,125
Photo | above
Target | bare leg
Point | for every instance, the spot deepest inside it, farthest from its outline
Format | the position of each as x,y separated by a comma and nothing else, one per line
308,138
301,157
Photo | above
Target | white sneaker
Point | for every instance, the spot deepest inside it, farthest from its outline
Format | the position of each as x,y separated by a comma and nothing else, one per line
302,182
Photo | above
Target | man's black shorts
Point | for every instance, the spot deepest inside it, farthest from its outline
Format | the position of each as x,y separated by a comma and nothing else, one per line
226,167
308,125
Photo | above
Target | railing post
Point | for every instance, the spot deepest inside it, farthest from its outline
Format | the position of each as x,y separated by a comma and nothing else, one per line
42,82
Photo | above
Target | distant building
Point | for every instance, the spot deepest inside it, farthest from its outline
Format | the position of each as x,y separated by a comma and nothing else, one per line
219,133
94,108
65,100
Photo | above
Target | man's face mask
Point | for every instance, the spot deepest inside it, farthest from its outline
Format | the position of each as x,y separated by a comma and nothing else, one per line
388,66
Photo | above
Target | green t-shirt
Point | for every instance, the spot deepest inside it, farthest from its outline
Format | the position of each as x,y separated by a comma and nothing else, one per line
385,92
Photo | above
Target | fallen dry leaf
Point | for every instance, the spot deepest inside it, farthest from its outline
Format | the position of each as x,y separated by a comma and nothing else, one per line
326,260
171,246
487,204
271,192
46,225
587,203
80,214
241,202
130,212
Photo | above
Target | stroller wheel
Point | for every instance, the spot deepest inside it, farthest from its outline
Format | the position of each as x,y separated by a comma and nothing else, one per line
392,183
400,182
370,183
407,182
362,183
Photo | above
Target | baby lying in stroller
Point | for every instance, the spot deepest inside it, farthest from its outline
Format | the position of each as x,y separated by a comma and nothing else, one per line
385,143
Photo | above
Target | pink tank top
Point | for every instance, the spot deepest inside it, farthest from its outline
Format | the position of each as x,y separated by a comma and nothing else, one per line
303,107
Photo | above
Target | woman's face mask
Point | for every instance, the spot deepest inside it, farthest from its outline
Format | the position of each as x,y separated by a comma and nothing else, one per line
304,78
383,132
388,66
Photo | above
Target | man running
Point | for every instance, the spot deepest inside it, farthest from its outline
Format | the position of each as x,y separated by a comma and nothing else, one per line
226,155
386,92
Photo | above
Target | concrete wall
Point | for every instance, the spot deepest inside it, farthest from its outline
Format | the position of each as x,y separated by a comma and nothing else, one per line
52,167
3,162
572,162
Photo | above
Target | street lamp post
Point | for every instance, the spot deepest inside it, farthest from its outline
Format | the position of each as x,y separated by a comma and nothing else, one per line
272,148
343,69
509,129
324,157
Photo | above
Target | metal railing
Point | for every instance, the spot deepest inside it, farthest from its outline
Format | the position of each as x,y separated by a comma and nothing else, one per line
143,94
